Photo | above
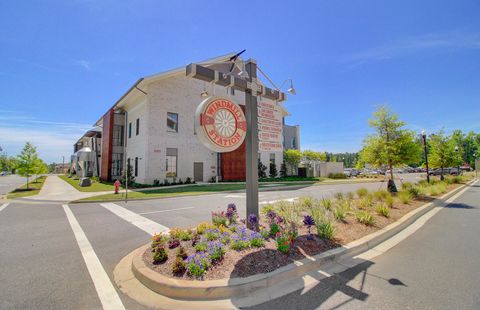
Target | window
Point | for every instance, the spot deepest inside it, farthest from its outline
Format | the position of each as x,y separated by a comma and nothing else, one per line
272,158
117,164
136,166
294,143
172,121
117,138
137,129
171,163
130,130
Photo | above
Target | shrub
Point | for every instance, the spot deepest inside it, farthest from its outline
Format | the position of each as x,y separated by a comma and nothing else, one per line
407,185
215,250
365,203
267,208
274,229
256,240
159,255
381,195
338,196
337,175
231,213
173,243
219,218
186,235
340,213
197,264
178,266
325,230
457,179
326,203
156,182
365,218
201,246
181,252
283,244
362,192
414,191
202,227
264,232
433,190
212,234
225,237
350,195
238,244
188,180
158,240
389,201
442,187
175,233
404,197
383,210
306,202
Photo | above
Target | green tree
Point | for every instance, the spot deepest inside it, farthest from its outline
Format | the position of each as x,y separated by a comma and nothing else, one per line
283,170
39,168
272,171
391,145
310,155
292,158
442,151
27,161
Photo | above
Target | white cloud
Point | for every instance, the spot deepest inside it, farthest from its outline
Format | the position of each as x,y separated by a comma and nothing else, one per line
52,139
85,64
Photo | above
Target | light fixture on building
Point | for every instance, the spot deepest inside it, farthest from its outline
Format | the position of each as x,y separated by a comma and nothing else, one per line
243,71
291,89
204,93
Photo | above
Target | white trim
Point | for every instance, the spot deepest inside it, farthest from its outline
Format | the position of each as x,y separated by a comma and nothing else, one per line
106,291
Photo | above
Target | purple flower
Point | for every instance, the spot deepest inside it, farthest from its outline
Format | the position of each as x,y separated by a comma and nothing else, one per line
308,220
279,220
231,211
271,215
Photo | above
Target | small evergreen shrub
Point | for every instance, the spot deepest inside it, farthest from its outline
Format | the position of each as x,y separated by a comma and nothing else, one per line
181,253
173,243
283,244
178,266
159,255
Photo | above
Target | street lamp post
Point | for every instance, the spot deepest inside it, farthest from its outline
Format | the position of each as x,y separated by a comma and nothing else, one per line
424,138
458,166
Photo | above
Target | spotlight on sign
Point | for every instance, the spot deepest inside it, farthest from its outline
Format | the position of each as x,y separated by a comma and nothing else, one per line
291,89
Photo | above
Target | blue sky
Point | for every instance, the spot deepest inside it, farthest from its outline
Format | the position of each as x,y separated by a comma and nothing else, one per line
64,63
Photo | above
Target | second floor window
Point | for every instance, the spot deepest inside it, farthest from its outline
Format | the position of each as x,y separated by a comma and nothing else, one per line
129,130
172,122
137,129
117,139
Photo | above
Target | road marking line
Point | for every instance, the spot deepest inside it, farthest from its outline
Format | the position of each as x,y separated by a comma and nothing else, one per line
234,196
4,206
274,201
161,211
148,226
106,291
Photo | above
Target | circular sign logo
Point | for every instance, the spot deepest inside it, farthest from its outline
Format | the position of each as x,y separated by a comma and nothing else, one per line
220,124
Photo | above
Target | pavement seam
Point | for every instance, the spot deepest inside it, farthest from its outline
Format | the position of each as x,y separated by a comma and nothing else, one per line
105,290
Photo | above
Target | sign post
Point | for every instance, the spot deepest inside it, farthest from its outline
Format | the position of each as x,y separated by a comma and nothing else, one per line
252,89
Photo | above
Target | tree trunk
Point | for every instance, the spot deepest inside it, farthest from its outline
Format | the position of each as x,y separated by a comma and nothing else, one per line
391,171
441,175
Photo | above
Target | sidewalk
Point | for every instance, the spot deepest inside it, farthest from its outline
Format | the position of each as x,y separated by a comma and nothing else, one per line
55,189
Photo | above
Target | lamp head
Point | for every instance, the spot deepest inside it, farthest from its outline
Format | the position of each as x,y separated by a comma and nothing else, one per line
291,89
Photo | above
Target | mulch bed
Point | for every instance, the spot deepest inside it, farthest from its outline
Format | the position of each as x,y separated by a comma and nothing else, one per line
252,261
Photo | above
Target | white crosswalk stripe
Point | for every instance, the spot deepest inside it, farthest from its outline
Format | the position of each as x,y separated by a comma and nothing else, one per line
106,291
145,224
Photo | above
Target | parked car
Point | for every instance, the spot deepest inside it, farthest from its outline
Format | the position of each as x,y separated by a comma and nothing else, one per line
446,171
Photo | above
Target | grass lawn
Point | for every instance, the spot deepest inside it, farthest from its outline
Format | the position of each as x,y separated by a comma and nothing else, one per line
33,189
182,191
96,186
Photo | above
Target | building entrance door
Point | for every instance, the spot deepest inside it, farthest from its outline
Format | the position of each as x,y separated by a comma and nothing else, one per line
198,172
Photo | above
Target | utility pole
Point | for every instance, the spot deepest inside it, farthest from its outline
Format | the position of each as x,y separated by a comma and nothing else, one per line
252,89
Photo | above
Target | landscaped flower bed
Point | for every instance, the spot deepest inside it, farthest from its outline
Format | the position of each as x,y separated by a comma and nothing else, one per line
286,231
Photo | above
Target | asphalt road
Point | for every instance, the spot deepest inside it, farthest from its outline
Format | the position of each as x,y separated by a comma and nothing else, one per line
10,182
42,267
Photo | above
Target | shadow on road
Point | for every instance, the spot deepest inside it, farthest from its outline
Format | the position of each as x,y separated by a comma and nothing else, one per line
460,206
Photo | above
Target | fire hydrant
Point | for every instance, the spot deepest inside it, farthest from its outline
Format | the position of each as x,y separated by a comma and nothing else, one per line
117,186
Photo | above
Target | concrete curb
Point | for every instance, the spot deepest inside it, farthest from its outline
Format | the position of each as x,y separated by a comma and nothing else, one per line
243,287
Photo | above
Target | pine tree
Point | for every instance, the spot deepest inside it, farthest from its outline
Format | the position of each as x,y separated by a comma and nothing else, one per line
273,170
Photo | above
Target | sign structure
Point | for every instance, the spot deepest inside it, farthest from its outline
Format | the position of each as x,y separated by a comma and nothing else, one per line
270,127
220,124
